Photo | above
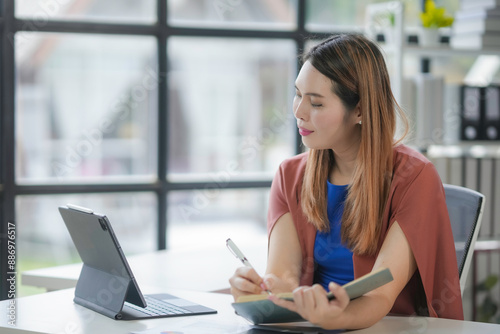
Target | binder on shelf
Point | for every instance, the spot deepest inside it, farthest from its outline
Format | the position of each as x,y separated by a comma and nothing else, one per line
491,123
470,128
480,113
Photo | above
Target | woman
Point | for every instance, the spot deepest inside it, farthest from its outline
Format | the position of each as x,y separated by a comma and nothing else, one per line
357,201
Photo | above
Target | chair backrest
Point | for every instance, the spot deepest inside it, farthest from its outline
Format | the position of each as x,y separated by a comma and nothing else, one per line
465,207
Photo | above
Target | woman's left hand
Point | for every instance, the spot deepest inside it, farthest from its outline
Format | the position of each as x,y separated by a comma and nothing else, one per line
313,305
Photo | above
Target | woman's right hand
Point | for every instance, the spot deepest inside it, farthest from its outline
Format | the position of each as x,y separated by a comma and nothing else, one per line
246,281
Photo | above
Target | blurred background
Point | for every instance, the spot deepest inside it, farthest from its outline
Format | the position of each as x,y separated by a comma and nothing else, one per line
169,116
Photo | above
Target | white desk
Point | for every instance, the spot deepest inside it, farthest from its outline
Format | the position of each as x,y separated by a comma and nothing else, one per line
178,269
55,312
202,269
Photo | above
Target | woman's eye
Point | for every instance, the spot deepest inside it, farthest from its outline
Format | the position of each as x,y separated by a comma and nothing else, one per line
316,105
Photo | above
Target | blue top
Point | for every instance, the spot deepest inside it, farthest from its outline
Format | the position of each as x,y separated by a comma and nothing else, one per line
333,259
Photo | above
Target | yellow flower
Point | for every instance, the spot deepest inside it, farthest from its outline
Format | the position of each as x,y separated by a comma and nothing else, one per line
434,17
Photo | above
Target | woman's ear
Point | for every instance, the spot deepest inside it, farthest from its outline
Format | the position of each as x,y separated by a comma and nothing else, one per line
357,113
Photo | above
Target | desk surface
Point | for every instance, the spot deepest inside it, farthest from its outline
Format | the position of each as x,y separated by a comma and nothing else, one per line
178,269
55,312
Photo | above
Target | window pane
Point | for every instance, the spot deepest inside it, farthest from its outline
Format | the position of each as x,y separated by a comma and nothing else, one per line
207,217
342,15
143,11
230,105
86,107
345,15
239,14
44,241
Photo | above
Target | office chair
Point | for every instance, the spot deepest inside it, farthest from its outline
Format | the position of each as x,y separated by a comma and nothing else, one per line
465,207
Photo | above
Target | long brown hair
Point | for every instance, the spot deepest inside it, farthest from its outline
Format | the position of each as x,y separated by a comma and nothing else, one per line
359,75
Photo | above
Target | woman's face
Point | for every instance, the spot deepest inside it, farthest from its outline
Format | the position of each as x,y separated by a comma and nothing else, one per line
322,119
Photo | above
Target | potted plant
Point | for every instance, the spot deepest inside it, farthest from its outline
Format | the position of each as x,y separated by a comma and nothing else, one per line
432,19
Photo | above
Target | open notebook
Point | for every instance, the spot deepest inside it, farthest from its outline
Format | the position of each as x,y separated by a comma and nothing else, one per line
259,310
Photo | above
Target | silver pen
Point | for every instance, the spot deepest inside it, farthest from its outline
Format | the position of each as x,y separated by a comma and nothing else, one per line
239,255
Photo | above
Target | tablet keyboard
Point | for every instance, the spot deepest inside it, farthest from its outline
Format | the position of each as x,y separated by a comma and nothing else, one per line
158,307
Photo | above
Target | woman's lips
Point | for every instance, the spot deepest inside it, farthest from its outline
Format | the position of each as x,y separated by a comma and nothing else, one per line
304,132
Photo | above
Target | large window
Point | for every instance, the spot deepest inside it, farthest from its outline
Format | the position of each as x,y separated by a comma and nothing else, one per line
234,14
234,99
86,108
127,11
169,116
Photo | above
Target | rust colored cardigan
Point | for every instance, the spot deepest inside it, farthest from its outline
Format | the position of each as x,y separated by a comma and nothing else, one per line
417,202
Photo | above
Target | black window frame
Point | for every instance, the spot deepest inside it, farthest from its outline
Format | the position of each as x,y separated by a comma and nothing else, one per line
9,190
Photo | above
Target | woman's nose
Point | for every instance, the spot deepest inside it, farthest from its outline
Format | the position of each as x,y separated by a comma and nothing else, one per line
299,109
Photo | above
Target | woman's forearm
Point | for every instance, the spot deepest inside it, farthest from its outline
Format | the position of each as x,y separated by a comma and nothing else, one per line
362,312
